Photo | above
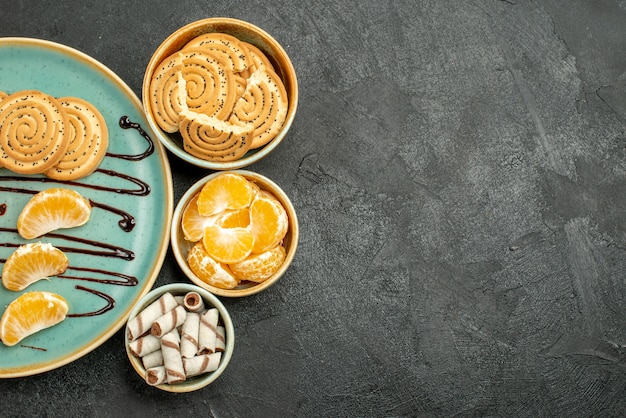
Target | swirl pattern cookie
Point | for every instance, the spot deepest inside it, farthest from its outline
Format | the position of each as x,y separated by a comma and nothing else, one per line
263,104
209,89
89,140
65,139
165,95
259,59
227,46
33,132
214,140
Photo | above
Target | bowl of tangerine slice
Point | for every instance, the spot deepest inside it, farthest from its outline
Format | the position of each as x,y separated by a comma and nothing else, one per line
234,233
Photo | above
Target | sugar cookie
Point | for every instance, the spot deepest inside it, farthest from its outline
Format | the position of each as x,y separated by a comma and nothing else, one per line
165,97
225,45
33,132
89,140
214,140
259,59
264,104
209,88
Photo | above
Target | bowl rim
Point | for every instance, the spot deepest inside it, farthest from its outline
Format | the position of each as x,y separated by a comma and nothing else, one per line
196,382
175,233
177,150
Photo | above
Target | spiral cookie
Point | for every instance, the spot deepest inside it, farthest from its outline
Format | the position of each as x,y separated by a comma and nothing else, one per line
33,132
259,59
212,139
165,96
240,85
263,104
89,140
227,46
209,89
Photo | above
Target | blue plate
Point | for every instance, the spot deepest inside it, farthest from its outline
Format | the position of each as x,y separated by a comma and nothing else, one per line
115,257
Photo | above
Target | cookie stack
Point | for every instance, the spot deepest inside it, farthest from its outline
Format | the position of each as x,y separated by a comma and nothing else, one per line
64,138
222,94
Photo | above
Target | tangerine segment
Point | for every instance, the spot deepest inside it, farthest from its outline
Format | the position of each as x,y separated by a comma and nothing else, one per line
32,262
239,218
225,191
259,267
208,270
227,245
52,209
30,313
268,222
192,223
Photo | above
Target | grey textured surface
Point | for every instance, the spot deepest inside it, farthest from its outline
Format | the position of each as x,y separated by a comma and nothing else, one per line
459,172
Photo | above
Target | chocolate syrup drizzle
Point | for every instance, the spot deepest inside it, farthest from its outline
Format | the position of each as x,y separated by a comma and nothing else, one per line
142,190
124,279
113,251
127,223
110,303
99,248
126,123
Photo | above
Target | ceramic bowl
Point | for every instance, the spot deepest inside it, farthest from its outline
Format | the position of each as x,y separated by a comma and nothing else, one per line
210,300
180,246
246,32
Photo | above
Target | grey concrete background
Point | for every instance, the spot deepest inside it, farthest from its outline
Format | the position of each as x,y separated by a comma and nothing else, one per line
459,172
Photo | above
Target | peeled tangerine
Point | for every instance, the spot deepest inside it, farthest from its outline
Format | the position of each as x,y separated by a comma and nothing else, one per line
227,245
192,223
30,313
259,267
226,191
52,209
32,262
209,270
268,222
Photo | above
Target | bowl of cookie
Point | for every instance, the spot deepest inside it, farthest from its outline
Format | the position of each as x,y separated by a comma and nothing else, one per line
220,93
179,337
234,233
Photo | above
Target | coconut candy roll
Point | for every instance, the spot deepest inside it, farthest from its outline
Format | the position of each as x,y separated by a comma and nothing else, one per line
142,323
156,375
167,322
220,339
201,364
208,331
189,335
173,362
145,345
193,302
153,359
